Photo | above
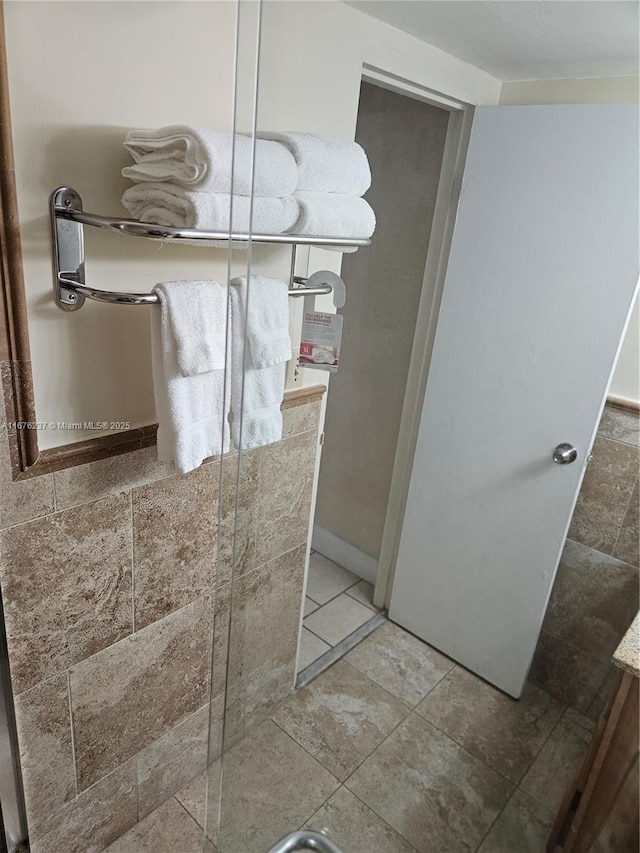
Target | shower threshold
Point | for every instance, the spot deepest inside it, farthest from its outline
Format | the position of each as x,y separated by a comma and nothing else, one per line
303,840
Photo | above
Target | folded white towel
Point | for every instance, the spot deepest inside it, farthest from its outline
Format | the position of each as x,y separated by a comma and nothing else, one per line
191,410
334,215
201,159
175,207
256,393
268,336
326,165
197,316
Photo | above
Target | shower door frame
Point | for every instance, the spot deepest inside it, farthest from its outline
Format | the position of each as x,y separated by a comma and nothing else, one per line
453,162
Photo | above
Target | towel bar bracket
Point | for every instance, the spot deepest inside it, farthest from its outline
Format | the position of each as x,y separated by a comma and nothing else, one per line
68,250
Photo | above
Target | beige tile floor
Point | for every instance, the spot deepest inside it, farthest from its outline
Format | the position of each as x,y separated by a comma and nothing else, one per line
337,604
394,749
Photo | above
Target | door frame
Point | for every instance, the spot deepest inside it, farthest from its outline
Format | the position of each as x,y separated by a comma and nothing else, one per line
455,152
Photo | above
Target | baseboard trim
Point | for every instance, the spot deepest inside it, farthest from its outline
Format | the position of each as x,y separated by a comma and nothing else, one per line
344,554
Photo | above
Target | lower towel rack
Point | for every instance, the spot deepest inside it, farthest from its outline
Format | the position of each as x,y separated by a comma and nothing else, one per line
72,291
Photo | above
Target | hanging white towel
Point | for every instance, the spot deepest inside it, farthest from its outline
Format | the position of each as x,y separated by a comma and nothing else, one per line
191,410
268,336
197,315
256,393
334,215
175,207
325,164
202,160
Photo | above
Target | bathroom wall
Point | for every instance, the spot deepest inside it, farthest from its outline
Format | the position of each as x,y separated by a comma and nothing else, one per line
405,141
595,595
608,90
68,129
108,574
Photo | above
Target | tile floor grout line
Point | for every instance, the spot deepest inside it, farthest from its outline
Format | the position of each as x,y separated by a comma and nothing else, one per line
331,600
409,711
339,651
304,749
311,631
351,598
422,698
495,820
186,810
624,515
528,793
602,661
588,728
342,591
375,749
384,689
538,802
546,741
467,750
193,817
369,606
322,805
384,820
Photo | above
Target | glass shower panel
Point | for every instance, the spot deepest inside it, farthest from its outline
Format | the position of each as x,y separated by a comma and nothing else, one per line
261,784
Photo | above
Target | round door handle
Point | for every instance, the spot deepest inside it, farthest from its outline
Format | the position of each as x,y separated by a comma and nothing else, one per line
564,454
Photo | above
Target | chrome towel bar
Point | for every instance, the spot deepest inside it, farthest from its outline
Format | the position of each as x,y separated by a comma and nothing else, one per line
68,219
135,228
73,291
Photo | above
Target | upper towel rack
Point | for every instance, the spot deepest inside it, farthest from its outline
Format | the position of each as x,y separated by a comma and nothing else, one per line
68,219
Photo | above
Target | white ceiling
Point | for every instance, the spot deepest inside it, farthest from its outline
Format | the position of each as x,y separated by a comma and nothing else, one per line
523,39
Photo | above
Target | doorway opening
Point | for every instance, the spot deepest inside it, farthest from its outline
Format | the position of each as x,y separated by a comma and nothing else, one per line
405,139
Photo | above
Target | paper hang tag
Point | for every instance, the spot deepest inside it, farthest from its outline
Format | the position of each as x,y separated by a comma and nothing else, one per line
322,332
321,337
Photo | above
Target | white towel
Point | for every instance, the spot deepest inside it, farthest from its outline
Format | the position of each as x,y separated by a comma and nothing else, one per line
256,393
268,336
175,207
334,215
201,159
197,316
191,410
325,164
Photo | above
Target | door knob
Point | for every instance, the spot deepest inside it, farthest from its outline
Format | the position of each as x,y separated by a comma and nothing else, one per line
564,454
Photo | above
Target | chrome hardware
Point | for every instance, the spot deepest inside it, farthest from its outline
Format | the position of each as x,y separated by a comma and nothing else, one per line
68,219
134,228
564,454
68,251
305,840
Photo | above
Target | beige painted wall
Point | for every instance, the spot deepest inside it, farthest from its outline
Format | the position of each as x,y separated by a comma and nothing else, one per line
611,90
70,119
405,140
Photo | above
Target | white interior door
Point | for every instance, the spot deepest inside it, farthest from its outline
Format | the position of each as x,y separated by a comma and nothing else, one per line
539,285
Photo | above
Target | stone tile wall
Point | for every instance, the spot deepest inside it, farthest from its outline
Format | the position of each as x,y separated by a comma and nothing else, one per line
595,595
110,574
